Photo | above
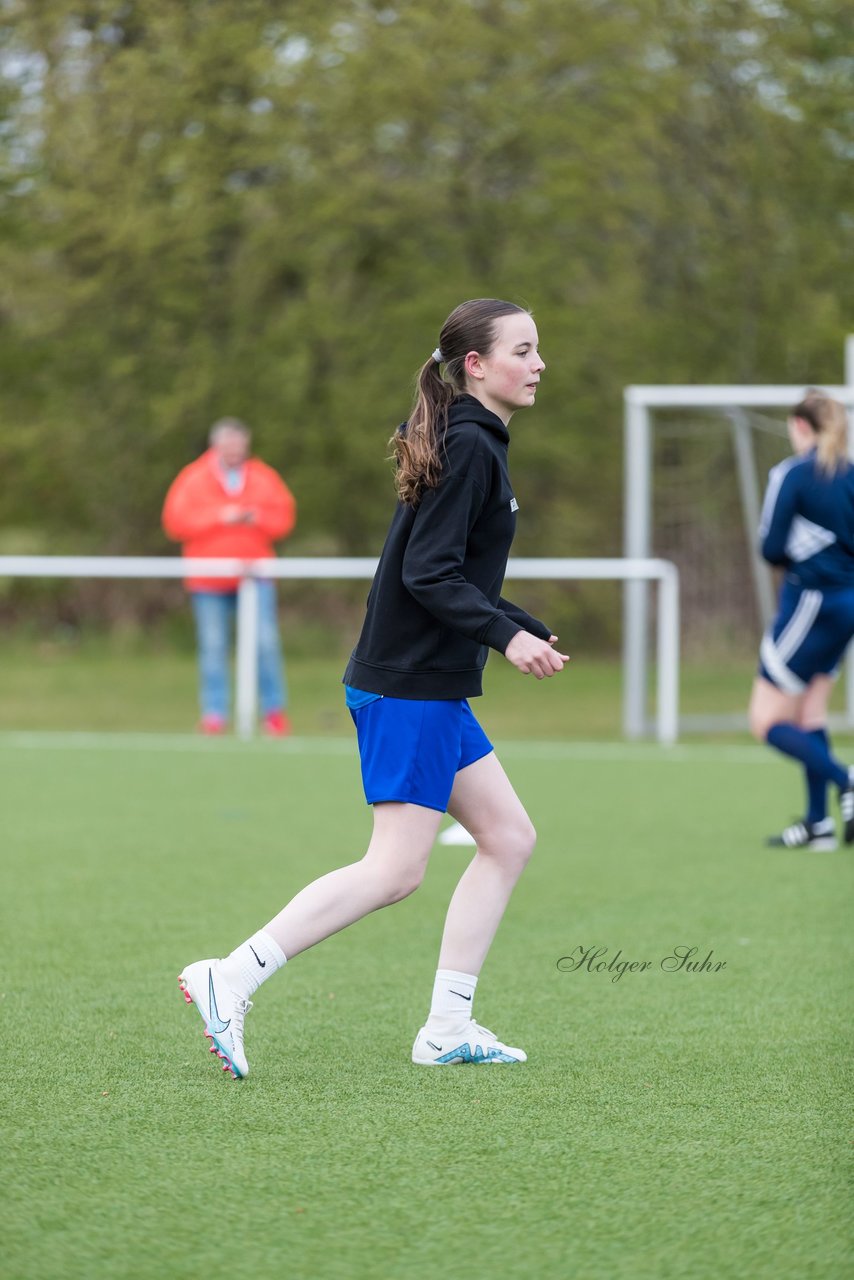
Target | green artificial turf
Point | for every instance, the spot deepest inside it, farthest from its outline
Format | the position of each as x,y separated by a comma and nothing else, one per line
685,1125
98,683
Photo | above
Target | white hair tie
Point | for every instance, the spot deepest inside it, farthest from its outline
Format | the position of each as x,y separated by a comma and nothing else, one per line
438,357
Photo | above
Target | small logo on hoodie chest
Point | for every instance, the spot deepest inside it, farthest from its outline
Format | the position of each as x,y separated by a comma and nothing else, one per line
514,505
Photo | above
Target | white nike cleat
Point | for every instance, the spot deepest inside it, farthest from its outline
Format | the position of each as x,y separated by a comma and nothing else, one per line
222,1010
473,1043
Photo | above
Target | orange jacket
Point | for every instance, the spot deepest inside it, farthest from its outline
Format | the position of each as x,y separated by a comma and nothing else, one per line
193,510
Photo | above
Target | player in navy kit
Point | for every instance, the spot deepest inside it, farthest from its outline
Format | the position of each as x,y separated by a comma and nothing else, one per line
807,528
433,613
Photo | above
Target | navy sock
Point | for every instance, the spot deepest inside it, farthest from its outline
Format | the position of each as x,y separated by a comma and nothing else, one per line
811,751
816,783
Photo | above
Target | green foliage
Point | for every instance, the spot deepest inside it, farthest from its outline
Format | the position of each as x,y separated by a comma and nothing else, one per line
236,207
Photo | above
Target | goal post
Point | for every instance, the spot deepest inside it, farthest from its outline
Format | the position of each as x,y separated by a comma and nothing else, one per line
736,404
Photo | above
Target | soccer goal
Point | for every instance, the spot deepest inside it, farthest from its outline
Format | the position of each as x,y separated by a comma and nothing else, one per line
696,463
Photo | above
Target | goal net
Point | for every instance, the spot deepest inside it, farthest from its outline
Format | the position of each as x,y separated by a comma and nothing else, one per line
708,474
697,461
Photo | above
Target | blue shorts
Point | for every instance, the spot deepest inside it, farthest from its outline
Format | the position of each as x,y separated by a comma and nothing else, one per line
411,751
808,637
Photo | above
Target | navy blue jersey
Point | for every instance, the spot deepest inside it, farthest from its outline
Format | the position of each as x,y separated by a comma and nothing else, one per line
807,523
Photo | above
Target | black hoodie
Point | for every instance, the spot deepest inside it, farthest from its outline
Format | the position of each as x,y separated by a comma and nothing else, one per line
435,606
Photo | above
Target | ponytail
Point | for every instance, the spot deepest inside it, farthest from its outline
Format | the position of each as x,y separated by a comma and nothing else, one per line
418,444
829,421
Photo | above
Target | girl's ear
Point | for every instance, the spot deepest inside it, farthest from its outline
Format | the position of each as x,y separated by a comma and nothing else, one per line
801,434
473,366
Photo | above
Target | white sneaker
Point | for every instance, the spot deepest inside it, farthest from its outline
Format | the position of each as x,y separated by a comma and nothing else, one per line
819,837
222,1010
472,1044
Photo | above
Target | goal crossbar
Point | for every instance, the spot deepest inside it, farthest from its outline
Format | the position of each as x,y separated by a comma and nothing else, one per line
697,397
639,570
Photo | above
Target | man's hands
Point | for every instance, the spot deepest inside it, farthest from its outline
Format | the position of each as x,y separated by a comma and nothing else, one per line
535,657
233,513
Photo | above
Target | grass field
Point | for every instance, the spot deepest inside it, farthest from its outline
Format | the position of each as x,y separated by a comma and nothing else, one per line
109,686
151,687
685,1125
148,684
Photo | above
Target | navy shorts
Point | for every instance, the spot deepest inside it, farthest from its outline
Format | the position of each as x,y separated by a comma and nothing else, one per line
808,637
411,751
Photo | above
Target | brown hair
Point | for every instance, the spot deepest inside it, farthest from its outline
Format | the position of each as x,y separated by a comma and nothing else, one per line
470,327
829,421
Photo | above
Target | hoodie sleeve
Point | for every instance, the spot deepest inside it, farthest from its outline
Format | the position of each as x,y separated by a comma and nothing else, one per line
525,620
435,553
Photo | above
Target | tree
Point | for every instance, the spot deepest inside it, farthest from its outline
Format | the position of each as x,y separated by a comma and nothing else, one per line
267,210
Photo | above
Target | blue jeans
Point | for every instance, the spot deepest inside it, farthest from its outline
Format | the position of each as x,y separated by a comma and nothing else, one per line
215,612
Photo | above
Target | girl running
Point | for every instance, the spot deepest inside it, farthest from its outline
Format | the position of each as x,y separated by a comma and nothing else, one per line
433,613
807,528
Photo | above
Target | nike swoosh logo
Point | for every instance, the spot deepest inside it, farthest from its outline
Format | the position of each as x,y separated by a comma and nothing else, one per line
460,994
437,1047
263,963
215,1022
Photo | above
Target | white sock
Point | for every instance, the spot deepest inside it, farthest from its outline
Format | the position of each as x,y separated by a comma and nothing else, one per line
252,963
453,996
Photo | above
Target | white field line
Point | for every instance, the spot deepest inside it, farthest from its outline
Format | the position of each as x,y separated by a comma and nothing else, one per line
606,752
48,740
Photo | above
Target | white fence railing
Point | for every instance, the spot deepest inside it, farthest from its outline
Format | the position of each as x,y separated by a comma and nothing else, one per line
620,570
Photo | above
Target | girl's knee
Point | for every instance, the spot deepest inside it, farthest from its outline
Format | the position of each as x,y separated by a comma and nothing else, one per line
401,886
394,881
759,725
527,839
769,706
514,843
761,716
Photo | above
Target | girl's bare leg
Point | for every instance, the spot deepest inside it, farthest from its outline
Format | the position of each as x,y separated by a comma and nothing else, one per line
392,868
484,801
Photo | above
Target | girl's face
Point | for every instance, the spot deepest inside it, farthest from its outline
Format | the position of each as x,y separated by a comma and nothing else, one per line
801,435
506,379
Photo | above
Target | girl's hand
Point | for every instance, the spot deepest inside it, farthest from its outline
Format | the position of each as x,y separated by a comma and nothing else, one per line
533,656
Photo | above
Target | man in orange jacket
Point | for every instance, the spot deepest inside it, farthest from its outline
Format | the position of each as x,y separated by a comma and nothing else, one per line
228,504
